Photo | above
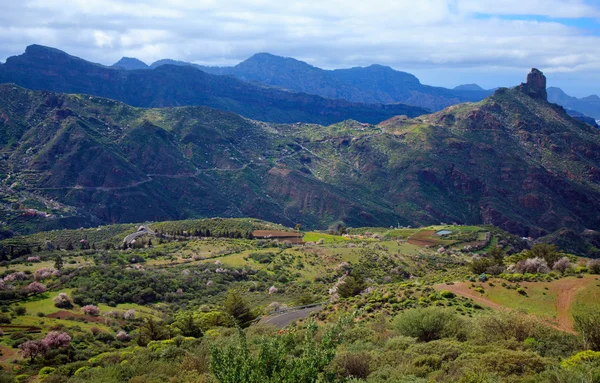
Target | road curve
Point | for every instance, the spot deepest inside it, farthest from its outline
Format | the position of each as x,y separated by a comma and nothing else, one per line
282,320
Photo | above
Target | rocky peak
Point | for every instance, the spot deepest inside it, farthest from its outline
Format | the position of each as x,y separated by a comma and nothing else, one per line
535,85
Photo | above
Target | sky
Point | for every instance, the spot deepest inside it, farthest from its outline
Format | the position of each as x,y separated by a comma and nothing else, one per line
443,42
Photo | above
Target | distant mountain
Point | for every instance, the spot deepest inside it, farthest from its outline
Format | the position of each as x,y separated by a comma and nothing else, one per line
469,87
129,63
373,84
512,160
168,85
589,106
582,117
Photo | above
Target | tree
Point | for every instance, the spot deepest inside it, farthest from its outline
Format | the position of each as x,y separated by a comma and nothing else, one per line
497,255
62,301
56,339
238,309
35,288
151,330
352,286
545,251
189,324
58,262
33,348
90,310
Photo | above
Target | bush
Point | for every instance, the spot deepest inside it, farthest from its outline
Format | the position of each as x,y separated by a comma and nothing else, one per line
20,310
448,294
581,357
593,266
504,325
45,371
510,362
431,323
352,365
587,323
522,291
351,286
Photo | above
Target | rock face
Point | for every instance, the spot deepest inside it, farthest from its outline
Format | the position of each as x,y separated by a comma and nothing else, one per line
535,85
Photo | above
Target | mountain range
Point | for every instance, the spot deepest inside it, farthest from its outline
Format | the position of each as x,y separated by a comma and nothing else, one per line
43,68
513,160
373,84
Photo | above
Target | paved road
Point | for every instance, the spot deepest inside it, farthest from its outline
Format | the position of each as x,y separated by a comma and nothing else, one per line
282,320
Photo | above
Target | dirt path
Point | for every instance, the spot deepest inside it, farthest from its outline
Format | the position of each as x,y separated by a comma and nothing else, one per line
566,292
463,290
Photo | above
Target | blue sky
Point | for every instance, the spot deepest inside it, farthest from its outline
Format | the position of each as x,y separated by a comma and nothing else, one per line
444,42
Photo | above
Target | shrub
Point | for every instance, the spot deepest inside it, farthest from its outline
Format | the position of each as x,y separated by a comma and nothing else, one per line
427,324
593,266
504,325
45,371
20,310
480,265
581,357
587,323
353,365
483,277
522,291
510,362
448,294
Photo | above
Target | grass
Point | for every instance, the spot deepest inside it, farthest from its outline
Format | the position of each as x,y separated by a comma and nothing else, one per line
327,238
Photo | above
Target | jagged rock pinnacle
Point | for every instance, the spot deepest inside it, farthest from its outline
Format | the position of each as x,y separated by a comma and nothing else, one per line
536,85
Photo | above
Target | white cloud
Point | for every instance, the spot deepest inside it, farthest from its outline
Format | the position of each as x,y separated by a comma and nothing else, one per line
464,36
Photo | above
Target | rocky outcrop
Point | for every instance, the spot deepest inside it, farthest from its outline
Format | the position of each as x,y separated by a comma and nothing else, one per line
535,85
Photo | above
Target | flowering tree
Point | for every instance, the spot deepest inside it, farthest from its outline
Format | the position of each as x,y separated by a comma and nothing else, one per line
44,273
562,265
533,265
35,288
129,315
18,276
594,266
56,339
122,336
33,348
91,310
53,340
273,290
33,259
62,301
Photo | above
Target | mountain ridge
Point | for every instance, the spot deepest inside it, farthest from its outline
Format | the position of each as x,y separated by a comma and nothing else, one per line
50,69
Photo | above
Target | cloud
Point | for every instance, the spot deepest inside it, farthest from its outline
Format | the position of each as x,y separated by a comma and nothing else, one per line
476,36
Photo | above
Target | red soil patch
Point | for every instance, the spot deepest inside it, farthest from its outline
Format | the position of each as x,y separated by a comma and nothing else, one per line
8,353
423,239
